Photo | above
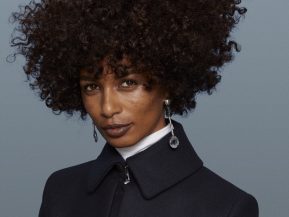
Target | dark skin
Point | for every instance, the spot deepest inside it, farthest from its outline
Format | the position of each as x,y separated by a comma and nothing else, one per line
123,101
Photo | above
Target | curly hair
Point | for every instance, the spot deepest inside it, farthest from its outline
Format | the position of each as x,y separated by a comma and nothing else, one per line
183,44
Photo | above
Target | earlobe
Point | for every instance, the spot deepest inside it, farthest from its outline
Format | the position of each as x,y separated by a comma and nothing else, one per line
165,94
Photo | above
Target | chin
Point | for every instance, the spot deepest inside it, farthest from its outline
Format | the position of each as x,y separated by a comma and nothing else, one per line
120,142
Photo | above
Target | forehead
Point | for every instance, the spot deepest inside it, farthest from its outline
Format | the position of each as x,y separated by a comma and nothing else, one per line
86,74
111,76
106,67
91,76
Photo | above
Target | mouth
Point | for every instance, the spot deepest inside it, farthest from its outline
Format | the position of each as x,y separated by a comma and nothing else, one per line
116,130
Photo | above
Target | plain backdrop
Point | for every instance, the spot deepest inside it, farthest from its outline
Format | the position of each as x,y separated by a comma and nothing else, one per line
241,131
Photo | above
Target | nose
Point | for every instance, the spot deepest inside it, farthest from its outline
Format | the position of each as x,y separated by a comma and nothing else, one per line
110,104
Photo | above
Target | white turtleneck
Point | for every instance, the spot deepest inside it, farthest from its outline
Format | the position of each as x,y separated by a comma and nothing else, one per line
144,143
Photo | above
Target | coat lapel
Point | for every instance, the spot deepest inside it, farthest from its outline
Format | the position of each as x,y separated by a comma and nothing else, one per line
160,167
155,169
107,159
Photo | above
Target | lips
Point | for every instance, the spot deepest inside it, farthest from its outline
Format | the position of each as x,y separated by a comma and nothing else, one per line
116,130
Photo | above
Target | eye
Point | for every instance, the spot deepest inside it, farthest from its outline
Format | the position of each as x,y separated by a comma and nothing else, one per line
90,87
128,83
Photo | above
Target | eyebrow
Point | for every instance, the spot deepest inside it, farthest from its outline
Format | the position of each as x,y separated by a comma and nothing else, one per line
87,78
94,78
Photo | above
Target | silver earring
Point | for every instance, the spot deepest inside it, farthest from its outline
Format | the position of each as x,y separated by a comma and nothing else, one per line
174,141
94,132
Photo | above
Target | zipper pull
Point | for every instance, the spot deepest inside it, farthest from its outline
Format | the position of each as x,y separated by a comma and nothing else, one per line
127,178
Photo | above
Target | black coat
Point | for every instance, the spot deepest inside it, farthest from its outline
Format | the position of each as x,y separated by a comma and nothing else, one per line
163,182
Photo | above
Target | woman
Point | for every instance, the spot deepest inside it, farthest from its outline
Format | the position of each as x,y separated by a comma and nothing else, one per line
125,64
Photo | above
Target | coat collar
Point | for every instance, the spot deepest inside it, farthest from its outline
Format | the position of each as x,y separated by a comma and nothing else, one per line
155,169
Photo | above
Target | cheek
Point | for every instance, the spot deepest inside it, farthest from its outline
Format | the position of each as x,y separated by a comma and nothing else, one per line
145,103
90,104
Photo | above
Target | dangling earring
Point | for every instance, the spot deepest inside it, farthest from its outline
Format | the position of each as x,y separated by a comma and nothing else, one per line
174,141
94,132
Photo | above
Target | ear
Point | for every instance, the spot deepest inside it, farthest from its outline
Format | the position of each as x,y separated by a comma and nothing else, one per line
166,94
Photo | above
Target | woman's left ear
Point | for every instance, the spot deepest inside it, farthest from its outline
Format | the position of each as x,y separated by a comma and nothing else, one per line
166,95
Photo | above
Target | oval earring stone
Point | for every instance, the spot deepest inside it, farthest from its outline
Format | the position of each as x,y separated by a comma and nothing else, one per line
174,142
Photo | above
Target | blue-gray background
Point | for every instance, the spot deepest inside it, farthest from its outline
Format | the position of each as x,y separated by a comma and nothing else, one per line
241,131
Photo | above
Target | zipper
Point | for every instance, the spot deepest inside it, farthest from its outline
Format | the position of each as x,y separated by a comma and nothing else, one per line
126,172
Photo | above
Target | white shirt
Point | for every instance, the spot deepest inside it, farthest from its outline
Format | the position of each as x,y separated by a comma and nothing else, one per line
144,143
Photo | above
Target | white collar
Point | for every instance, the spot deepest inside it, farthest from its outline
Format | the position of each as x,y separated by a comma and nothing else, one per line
144,143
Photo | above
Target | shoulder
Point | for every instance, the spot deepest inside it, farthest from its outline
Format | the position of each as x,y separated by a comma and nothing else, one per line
62,185
246,205
217,192
215,183
73,175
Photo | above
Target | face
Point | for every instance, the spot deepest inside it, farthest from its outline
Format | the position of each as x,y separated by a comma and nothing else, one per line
122,109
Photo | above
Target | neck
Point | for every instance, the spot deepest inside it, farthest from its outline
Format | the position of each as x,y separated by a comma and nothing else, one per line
144,143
